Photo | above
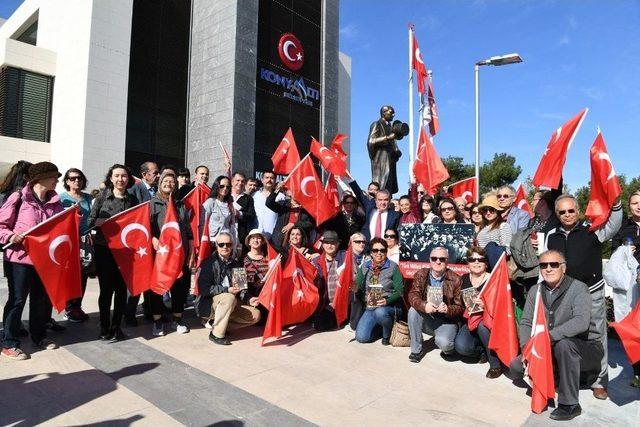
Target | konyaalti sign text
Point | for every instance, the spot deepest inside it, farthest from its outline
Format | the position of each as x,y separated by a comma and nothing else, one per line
294,89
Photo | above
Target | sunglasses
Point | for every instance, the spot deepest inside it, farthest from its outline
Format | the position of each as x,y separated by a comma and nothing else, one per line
488,210
359,242
554,265
329,242
378,251
348,203
438,258
224,186
224,244
74,178
446,209
475,213
568,211
390,236
476,259
503,196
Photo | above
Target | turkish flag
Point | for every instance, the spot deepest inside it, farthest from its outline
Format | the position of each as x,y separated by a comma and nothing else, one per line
428,167
286,156
300,296
345,280
306,188
204,251
129,239
169,259
521,201
605,188
550,168
538,357
434,123
54,249
271,298
336,146
498,313
331,188
329,160
628,330
465,188
193,203
417,64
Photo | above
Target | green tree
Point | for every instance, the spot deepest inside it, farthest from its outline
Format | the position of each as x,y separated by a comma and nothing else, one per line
457,169
499,171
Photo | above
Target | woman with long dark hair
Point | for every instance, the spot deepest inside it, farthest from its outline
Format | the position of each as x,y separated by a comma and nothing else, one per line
220,210
114,199
15,180
449,212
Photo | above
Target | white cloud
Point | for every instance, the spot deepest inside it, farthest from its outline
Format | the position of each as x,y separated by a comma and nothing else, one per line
573,22
564,40
593,93
349,31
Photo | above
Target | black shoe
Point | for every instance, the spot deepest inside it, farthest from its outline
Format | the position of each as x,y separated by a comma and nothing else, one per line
219,341
415,357
23,333
385,341
449,357
105,334
635,382
131,321
494,373
566,412
483,358
118,335
55,326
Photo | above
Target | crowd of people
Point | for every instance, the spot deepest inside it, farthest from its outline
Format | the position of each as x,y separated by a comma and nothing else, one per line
552,251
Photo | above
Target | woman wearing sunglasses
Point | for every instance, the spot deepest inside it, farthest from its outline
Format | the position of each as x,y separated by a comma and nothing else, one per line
495,228
220,210
475,217
449,212
380,286
472,339
393,249
427,208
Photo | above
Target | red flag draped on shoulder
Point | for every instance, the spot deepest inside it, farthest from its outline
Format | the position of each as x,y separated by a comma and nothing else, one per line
286,156
550,168
605,188
521,201
306,189
465,188
417,64
329,160
428,167
54,249
169,258
129,239
628,330
193,202
539,359
498,313
345,280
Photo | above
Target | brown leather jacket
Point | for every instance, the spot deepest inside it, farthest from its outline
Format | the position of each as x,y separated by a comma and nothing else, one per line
451,293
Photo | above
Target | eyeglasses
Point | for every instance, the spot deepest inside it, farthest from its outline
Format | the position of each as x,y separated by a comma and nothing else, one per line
554,265
378,251
329,242
488,210
390,236
224,244
438,258
74,178
348,203
503,196
477,259
447,208
224,186
359,242
568,211
475,213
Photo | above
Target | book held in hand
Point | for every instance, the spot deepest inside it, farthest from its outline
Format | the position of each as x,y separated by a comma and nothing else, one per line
468,296
374,294
239,278
434,295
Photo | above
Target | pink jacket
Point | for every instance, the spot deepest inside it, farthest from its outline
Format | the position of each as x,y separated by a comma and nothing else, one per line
31,212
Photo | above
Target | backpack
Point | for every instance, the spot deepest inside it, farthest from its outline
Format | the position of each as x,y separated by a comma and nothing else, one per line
524,255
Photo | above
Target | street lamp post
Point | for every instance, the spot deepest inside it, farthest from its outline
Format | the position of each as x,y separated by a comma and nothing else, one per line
512,58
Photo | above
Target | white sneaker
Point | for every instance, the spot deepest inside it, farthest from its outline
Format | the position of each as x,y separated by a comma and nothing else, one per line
180,327
208,324
157,330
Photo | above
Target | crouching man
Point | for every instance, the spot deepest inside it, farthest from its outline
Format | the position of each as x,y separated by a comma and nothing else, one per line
575,339
221,301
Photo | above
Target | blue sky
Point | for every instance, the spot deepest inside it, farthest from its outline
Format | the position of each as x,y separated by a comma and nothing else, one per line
577,53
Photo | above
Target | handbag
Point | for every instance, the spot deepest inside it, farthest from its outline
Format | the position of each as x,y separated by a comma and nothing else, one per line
400,334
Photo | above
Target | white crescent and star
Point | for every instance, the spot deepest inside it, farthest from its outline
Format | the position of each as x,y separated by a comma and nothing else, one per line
285,50
537,330
304,183
521,203
606,158
54,245
418,55
175,226
129,228
326,157
467,193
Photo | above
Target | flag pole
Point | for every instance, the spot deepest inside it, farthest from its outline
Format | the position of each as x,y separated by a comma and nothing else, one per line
477,117
294,169
411,150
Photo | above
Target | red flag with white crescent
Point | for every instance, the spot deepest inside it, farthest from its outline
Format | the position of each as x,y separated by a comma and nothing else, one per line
605,187
628,330
341,296
521,201
331,188
271,298
417,63
539,359
328,158
550,168
336,146
54,249
300,296
128,236
169,258
465,188
286,156
193,203
428,167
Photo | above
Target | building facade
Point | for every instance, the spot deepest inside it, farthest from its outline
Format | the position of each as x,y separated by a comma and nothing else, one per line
90,83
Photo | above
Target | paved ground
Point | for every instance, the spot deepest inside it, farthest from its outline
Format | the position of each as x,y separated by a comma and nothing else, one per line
307,378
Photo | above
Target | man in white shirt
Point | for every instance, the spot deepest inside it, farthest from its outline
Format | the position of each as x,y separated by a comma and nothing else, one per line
265,216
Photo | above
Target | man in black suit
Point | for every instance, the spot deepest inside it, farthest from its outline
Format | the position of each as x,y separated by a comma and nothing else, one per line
378,216
146,188
244,204
347,221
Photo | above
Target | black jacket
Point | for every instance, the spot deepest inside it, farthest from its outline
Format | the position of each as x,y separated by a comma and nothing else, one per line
158,208
105,206
629,229
369,205
210,281
283,209
345,227
248,219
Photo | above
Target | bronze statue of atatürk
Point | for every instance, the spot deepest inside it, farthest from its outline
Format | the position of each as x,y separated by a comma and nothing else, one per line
383,149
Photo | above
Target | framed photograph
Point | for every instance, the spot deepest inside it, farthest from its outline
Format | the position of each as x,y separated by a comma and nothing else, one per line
434,295
468,296
239,278
374,294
